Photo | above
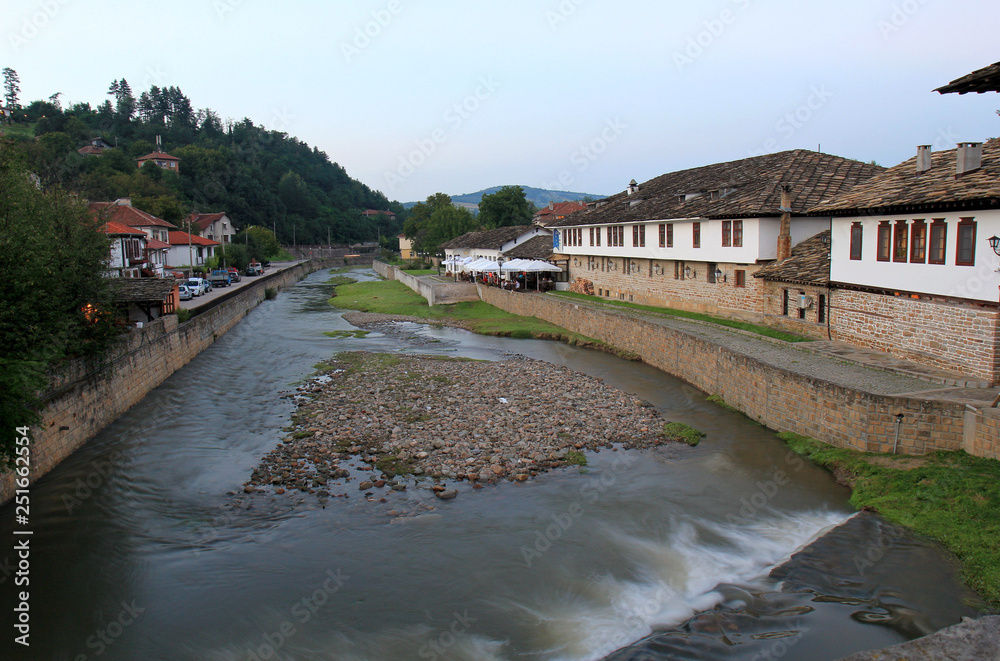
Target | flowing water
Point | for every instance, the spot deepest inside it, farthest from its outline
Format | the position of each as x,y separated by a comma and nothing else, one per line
144,546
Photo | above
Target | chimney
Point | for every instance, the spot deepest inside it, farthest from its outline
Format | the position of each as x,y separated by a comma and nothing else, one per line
632,187
785,235
923,158
970,157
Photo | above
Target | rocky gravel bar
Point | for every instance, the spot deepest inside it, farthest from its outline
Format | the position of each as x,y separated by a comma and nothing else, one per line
425,420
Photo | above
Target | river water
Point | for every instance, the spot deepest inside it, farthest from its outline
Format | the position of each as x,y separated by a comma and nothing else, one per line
145,547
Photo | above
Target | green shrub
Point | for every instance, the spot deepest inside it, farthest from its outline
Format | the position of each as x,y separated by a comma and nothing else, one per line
270,293
678,431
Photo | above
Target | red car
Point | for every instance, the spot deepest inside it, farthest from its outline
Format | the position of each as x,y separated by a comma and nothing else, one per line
234,274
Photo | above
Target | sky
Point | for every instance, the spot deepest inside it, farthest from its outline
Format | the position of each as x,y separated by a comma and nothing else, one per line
414,97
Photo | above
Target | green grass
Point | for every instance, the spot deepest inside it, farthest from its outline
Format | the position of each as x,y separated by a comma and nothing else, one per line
951,497
357,334
391,297
339,280
765,331
283,256
574,458
678,431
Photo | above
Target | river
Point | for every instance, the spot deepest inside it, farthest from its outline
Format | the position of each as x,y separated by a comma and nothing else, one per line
144,546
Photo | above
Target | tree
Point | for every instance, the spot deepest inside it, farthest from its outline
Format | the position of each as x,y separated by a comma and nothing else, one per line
508,206
55,302
435,221
259,243
11,88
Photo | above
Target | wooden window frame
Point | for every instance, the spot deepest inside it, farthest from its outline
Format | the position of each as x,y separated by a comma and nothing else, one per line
964,225
938,230
884,241
727,233
642,235
663,235
696,234
918,242
739,278
857,240
737,233
900,241
670,235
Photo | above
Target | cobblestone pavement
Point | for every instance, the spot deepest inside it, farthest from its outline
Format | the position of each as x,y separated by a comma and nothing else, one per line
834,362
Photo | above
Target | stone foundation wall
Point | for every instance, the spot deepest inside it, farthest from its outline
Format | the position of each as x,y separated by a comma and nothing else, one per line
951,336
780,399
85,396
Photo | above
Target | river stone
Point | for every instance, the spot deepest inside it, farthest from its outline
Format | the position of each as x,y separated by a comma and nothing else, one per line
447,495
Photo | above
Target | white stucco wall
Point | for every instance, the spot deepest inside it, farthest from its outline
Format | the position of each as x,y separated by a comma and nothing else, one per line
978,282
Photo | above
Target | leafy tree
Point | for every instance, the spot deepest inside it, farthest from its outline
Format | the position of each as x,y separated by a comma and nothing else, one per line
55,302
508,206
435,221
11,88
260,243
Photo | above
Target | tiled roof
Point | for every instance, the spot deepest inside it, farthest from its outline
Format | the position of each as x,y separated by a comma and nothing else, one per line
90,150
181,239
539,247
129,215
153,244
203,220
902,188
376,212
112,228
163,156
738,189
982,80
808,265
141,290
557,209
490,239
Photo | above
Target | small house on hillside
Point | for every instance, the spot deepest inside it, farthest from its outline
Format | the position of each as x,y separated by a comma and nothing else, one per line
127,254
190,249
162,159
145,299
214,226
156,230
557,211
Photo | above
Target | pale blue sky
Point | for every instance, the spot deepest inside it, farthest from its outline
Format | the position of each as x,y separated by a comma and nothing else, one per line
581,95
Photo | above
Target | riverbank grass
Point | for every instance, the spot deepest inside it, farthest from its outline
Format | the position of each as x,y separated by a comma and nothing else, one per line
764,331
391,297
952,497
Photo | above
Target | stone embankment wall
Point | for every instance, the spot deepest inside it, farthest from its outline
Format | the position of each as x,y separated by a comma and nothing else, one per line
436,293
85,396
778,398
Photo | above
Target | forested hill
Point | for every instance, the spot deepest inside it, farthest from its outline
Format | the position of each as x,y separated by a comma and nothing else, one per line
257,176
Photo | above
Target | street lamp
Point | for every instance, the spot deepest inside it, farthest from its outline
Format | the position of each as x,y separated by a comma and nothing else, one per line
995,244
500,271
719,275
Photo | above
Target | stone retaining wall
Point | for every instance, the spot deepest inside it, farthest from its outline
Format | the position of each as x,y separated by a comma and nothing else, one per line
436,293
778,398
85,396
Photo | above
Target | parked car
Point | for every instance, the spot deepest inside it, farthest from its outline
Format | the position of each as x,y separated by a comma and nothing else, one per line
220,278
198,286
185,292
254,269
234,274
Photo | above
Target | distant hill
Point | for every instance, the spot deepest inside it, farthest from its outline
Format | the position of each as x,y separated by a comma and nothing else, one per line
539,196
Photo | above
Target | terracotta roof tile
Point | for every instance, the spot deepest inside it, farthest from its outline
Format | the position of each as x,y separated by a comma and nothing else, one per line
902,188
112,228
163,156
181,239
747,188
809,263
982,80
129,215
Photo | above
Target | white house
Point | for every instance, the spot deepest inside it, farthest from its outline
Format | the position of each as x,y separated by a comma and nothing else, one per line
492,244
912,261
190,250
127,251
214,226
156,230
692,239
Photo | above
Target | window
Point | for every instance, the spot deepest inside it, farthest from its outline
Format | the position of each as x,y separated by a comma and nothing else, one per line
821,310
939,241
677,270
710,276
784,302
597,236
856,234
899,239
591,236
727,233
918,242
884,241
638,236
611,236
741,278
670,235
663,235
696,234
965,254
737,233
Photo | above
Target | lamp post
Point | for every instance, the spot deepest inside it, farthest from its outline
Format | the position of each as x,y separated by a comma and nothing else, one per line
719,275
500,271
